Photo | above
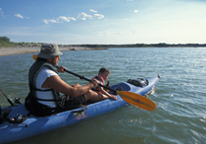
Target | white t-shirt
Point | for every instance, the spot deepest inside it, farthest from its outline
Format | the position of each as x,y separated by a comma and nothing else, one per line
40,79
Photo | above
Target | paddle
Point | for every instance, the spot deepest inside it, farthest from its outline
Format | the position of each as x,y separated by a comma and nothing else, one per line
7,98
130,97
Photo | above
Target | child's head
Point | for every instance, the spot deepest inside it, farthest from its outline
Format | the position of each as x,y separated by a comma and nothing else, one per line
104,73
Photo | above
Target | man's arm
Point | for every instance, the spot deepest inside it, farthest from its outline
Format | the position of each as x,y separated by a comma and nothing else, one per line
56,83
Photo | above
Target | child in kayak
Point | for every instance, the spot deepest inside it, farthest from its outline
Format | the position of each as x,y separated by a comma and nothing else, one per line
102,76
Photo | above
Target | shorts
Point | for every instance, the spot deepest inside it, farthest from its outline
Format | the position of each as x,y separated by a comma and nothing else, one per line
72,102
79,100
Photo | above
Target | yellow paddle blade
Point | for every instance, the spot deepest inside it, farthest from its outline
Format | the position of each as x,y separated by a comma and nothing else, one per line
137,100
35,57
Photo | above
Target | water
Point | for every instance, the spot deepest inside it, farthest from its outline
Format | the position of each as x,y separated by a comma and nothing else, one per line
180,95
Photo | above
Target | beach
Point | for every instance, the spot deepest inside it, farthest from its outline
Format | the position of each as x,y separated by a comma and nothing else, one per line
25,50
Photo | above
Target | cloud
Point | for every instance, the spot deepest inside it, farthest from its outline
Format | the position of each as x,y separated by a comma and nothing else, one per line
84,16
66,19
72,18
47,21
1,12
63,18
19,16
59,19
135,11
98,16
93,10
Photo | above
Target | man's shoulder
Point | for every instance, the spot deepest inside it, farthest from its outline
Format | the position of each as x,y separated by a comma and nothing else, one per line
48,71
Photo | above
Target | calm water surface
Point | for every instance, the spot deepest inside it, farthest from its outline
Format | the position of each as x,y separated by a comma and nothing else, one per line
180,95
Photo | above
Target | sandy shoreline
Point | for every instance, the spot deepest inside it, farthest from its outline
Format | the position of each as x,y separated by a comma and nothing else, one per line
25,50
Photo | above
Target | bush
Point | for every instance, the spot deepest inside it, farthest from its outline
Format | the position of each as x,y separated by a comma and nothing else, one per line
4,39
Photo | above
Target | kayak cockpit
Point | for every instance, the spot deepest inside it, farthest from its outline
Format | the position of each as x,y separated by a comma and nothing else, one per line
124,86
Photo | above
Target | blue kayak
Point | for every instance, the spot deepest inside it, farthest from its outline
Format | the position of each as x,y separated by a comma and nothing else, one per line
33,125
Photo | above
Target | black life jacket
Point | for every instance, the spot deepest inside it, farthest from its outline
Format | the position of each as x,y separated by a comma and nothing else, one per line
32,102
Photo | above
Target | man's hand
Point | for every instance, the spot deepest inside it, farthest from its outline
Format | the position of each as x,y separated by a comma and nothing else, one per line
95,82
61,69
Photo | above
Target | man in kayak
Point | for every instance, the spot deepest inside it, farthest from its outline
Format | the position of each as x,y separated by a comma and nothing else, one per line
102,76
45,86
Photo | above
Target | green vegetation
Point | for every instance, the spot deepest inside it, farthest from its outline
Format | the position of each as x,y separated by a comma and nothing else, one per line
5,42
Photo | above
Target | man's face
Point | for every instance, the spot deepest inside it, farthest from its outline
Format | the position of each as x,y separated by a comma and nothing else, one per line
54,61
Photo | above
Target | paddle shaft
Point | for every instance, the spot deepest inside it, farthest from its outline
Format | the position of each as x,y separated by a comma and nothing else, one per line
7,98
82,77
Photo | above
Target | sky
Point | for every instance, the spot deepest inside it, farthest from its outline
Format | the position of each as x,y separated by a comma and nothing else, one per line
104,21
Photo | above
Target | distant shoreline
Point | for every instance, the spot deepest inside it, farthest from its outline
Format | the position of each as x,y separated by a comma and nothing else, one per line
26,50
5,51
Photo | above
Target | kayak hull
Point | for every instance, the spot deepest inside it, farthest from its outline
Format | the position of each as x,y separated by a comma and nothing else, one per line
36,125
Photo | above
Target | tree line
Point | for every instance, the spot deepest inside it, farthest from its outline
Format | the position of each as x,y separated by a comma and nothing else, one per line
5,42
142,45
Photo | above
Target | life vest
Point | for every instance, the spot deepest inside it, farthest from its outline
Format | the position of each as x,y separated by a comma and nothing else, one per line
31,101
101,80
